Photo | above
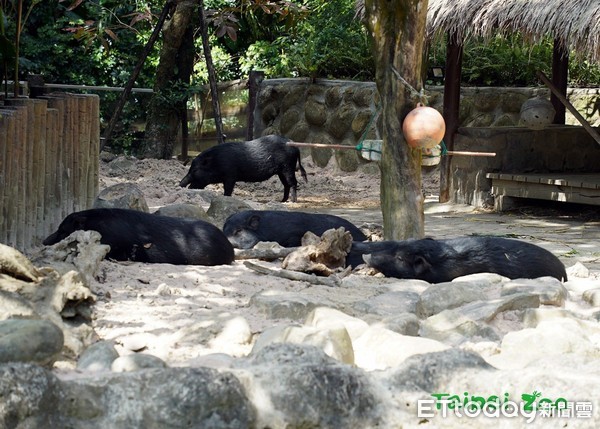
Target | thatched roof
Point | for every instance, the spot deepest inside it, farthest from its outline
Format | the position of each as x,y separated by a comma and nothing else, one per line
574,23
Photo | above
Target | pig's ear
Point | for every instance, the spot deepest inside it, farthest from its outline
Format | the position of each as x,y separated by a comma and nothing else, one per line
421,265
253,222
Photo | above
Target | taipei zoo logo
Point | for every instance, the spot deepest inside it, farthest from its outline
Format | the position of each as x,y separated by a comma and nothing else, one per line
530,406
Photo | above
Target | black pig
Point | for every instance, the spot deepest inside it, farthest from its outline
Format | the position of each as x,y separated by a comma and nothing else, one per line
246,228
252,161
144,237
438,261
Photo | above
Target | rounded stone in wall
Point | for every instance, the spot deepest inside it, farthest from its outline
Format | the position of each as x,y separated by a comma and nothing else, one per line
511,102
271,131
349,94
506,120
341,121
269,113
315,113
321,156
333,97
361,121
300,132
363,97
289,120
266,95
294,96
347,160
486,102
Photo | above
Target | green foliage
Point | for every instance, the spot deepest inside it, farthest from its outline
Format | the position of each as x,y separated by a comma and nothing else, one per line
328,42
511,61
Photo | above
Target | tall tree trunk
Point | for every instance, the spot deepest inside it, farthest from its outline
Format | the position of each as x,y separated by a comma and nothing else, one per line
175,65
398,32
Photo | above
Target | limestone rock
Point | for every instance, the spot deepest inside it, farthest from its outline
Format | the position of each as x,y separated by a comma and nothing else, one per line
136,362
188,211
550,338
443,296
98,357
299,386
455,325
380,348
122,196
15,264
221,207
550,290
286,305
389,304
324,317
36,341
334,341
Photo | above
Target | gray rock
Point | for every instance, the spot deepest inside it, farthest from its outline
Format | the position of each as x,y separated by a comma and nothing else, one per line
389,303
98,357
136,362
284,305
37,341
424,372
455,325
299,386
404,324
189,211
122,196
443,296
550,290
157,398
221,207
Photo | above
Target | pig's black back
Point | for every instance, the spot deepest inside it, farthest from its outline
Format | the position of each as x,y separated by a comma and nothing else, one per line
143,237
284,227
438,261
251,161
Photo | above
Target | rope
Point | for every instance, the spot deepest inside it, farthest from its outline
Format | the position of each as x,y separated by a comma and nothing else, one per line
417,94
359,146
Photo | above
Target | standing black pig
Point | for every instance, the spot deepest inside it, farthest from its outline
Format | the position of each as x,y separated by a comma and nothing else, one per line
252,161
144,237
438,261
246,228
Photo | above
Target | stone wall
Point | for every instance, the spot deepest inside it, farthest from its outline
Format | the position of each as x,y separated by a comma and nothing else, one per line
344,112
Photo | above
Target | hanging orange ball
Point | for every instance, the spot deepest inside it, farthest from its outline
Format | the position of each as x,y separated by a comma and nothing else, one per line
424,127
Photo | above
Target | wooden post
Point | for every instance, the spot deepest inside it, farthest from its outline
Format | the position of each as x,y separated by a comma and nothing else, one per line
50,172
94,154
4,175
11,190
560,74
451,109
40,108
254,81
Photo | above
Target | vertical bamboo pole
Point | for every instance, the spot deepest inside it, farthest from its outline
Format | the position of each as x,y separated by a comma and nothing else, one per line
83,143
4,179
51,212
94,155
11,179
59,204
39,167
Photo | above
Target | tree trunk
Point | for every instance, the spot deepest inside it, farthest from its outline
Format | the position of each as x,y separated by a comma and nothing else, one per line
398,33
175,65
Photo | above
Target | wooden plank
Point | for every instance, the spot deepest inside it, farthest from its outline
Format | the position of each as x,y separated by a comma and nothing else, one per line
541,191
591,180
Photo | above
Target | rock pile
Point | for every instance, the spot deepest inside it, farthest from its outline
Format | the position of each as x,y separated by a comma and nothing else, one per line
372,352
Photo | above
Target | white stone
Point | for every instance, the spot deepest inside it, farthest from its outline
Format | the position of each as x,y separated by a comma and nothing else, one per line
324,317
334,341
379,348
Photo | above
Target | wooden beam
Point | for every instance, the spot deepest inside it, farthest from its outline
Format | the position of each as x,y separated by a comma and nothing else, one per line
560,73
454,52
591,131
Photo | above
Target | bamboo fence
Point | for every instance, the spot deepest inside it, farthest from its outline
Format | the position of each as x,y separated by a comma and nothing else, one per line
49,154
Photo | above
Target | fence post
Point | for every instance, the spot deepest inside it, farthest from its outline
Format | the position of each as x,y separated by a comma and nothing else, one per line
254,81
